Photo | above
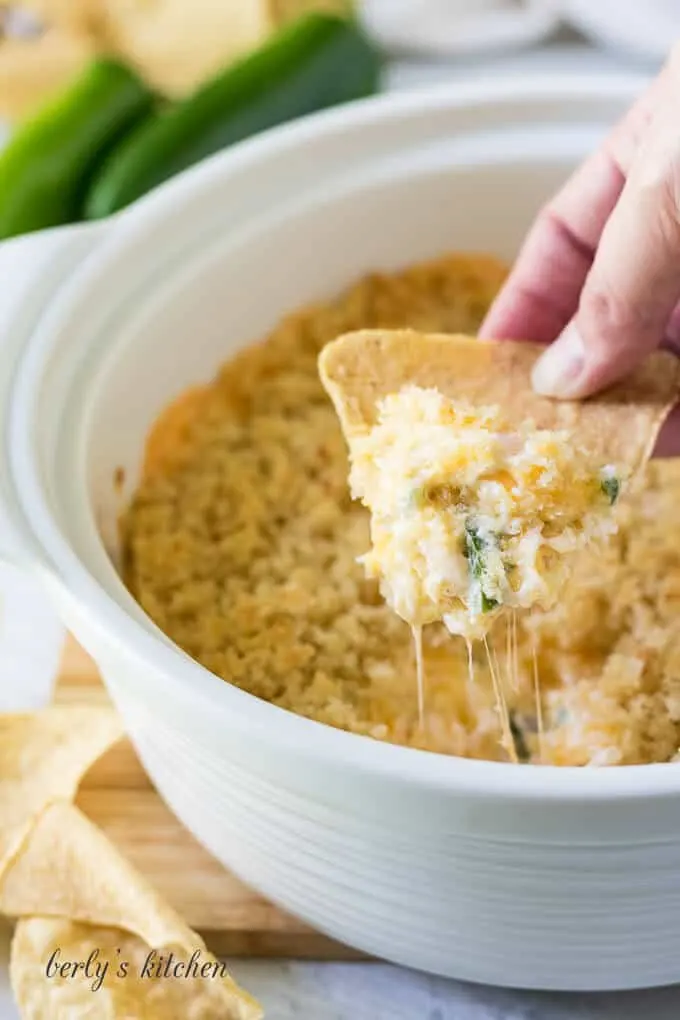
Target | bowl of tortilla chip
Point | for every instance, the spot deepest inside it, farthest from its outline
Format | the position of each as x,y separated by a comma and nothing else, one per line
173,471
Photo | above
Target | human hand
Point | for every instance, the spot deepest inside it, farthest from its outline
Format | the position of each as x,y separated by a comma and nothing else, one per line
599,273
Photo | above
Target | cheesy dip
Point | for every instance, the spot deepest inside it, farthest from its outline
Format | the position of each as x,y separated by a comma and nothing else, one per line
470,516
242,544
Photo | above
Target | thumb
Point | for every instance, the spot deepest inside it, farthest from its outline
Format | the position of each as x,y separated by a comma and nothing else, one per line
634,284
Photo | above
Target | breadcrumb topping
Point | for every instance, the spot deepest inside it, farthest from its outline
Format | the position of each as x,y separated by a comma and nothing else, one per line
242,543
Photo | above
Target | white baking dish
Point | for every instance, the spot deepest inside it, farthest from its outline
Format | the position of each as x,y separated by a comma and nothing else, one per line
534,877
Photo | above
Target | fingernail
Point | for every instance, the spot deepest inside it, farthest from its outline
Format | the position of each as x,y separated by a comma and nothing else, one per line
557,373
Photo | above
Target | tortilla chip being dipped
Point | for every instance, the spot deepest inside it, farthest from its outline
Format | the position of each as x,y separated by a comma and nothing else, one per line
621,424
481,491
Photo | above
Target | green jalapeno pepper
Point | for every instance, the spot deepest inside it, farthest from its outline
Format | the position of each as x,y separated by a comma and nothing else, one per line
48,163
314,62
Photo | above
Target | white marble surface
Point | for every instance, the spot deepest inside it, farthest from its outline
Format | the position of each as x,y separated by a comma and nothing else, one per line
29,645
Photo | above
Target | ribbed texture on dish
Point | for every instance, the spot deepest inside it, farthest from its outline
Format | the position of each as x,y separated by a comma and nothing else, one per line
527,909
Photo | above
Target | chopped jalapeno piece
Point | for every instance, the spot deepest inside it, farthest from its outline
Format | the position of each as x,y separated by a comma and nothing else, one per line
521,749
476,546
611,486
489,603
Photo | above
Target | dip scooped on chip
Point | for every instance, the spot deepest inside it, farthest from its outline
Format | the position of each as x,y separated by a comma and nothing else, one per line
481,491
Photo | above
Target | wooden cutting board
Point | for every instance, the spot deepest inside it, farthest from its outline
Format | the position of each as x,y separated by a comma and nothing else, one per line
117,795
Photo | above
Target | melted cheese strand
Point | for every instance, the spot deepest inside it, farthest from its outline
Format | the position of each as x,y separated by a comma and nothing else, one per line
470,671
501,705
539,705
511,656
420,671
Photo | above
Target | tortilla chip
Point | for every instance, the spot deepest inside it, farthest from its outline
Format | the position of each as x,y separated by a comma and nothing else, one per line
87,897
119,983
76,15
33,70
619,426
176,51
43,756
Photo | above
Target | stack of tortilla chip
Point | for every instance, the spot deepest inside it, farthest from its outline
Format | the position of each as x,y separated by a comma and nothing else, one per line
174,45
93,938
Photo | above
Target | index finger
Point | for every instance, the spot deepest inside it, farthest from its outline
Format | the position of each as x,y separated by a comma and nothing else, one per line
541,293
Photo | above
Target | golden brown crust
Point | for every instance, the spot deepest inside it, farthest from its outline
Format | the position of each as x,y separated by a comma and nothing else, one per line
243,548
